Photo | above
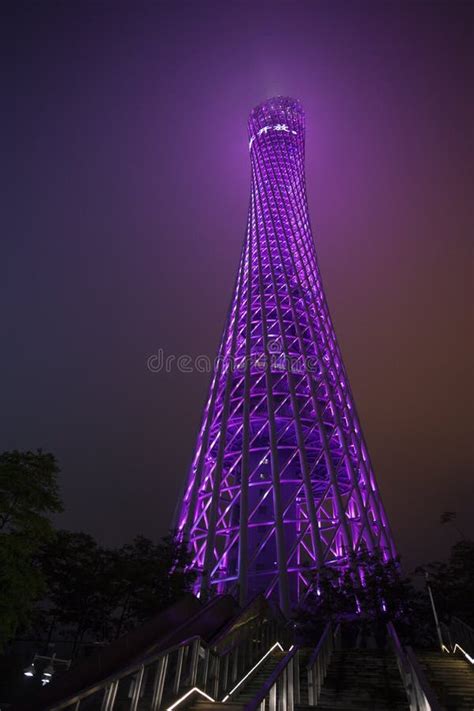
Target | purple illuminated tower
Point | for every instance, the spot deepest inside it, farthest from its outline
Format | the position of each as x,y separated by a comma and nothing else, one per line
281,481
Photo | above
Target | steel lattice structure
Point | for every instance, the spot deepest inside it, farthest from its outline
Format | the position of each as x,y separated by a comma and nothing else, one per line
281,481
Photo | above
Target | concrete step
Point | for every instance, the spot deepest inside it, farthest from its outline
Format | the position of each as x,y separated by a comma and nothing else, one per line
254,683
363,680
368,681
246,692
452,679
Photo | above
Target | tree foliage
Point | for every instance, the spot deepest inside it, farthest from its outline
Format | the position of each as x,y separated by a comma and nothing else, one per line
96,593
370,591
149,577
450,517
452,583
79,585
29,494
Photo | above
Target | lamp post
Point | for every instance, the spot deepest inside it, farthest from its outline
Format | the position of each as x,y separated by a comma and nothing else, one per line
433,607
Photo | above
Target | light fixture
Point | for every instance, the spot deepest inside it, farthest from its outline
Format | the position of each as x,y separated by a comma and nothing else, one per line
30,671
48,672
277,644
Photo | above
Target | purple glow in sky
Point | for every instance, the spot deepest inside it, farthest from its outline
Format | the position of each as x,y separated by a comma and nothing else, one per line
125,189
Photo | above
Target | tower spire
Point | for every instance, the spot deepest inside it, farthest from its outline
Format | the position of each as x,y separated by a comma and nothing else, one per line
281,481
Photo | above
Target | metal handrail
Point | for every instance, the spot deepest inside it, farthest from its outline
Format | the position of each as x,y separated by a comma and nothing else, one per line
282,687
127,671
317,649
319,661
282,680
398,649
424,693
457,635
192,664
421,696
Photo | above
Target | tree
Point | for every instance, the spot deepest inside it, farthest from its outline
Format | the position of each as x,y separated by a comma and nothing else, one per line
450,517
381,590
370,591
453,582
149,577
29,494
79,576
330,599
98,594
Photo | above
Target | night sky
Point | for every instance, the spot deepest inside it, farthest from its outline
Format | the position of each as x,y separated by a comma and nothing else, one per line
125,192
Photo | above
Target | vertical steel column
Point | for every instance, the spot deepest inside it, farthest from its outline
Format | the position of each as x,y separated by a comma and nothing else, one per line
316,540
317,546
195,661
244,467
159,683
284,593
179,668
211,536
137,688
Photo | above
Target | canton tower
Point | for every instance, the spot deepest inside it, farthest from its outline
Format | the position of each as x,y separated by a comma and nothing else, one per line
281,481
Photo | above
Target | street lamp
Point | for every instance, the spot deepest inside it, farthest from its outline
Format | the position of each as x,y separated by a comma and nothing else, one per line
30,671
433,607
49,670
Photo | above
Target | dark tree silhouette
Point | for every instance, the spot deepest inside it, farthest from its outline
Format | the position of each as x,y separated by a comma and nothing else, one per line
452,583
366,595
98,594
29,494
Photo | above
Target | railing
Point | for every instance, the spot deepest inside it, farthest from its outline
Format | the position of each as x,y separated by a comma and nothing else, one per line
281,690
319,661
250,646
421,696
457,636
164,680
147,684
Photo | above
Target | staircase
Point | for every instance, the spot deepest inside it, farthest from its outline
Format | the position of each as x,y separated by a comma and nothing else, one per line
245,693
368,680
175,667
305,655
451,677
